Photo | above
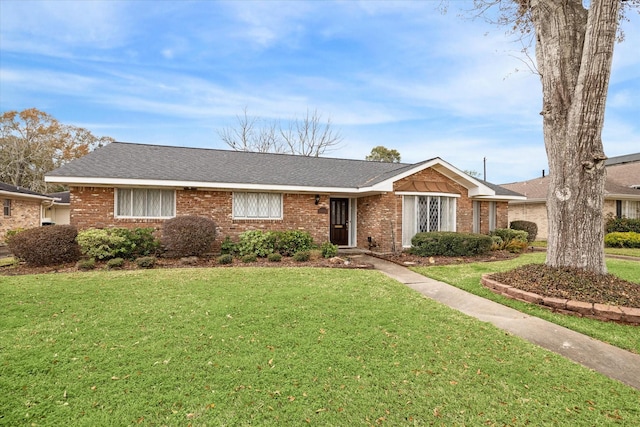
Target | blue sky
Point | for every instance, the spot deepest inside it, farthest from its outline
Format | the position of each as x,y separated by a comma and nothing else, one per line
397,74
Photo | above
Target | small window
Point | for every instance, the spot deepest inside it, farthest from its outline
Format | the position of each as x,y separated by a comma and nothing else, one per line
7,207
145,203
257,206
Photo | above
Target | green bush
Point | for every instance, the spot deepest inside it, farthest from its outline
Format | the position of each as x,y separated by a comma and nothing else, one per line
256,242
301,256
249,258
49,245
447,243
228,246
11,233
225,259
329,250
628,239
86,264
146,262
509,239
530,227
115,263
185,236
621,225
108,243
289,242
274,257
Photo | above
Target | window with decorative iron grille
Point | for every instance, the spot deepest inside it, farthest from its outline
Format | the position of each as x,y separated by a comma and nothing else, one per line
427,213
257,205
145,203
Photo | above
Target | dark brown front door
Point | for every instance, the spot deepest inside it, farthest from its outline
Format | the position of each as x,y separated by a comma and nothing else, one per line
340,222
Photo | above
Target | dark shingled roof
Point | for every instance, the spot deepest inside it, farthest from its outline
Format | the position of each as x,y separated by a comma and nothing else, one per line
62,196
157,162
19,190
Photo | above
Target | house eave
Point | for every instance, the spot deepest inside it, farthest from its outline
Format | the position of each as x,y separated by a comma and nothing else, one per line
14,195
125,182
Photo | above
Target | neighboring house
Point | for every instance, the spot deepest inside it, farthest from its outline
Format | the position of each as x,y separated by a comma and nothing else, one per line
22,208
60,211
352,203
621,197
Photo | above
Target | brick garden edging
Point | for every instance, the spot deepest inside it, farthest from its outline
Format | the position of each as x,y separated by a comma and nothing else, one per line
628,315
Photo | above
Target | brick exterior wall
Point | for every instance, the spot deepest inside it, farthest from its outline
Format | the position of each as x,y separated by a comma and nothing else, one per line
25,213
378,216
93,207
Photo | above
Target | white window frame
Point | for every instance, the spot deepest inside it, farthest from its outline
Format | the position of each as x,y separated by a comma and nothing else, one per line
6,207
133,192
273,210
411,214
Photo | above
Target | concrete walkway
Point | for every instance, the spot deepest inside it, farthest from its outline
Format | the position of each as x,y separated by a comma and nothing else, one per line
611,361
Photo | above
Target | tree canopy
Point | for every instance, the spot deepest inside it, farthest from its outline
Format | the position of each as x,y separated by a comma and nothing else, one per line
309,136
383,154
33,143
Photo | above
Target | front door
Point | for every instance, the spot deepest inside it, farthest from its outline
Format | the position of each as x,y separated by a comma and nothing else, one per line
339,222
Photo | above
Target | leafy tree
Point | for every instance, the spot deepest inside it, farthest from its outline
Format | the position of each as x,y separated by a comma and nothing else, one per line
574,43
309,136
472,173
33,143
383,154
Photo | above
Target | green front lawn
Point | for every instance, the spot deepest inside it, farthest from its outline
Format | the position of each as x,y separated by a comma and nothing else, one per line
467,277
276,346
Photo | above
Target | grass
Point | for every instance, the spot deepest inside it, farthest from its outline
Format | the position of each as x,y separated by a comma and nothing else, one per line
467,277
7,261
630,252
295,346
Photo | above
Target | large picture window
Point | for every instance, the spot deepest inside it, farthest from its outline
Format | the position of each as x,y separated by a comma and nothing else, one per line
628,209
145,203
427,213
257,206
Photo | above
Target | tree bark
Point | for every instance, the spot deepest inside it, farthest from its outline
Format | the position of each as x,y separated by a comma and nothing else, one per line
574,49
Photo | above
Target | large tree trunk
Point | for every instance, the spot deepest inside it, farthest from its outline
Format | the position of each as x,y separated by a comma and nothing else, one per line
574,48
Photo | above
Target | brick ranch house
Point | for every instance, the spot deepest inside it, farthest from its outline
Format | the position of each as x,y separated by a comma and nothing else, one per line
22,208
352,203
621,194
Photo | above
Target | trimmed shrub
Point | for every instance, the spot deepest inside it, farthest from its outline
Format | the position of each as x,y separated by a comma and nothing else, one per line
274,257
86,264
301,256
508,239
621,225
289,242
117,242
115,263
256,242
49,245
448,243
190,235
329,250
228,246
249,258
146,262
628,239
530,227
225,259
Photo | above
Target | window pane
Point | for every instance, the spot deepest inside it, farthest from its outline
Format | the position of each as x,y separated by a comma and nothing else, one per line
275,206
263,205
252,205
168,203
408,219
153,202
139,197
124,202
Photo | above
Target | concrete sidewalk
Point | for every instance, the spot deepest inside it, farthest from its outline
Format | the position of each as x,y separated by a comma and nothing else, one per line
611,361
